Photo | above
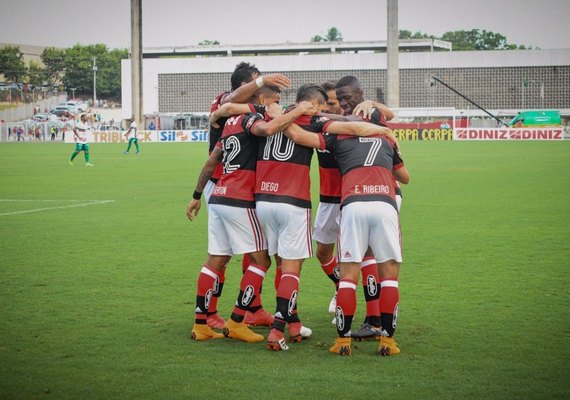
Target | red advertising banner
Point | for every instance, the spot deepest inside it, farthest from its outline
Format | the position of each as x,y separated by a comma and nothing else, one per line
508,134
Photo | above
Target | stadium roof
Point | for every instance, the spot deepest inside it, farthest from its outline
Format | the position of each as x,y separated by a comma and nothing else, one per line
293,48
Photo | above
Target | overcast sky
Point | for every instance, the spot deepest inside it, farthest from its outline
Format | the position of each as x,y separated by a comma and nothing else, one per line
63,23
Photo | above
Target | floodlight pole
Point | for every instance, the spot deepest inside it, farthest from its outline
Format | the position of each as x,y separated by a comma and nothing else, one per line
94,81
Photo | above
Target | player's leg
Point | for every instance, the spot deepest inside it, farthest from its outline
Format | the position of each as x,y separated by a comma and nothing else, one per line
245,236
256,315
75,153
385,240
137,146
86,155
345,307
371,288
209,275
128,146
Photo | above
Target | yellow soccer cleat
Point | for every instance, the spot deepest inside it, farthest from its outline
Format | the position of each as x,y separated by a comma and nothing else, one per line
240,331
342,346
204,332
388,346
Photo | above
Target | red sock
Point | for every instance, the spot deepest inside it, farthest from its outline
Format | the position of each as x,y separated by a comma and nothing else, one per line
345,306
204,292
286,299
278,273
370,279
218,286
331,269
249,290
389,299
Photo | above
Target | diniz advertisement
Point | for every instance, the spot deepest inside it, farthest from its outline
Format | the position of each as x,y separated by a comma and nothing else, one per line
508,134
161,136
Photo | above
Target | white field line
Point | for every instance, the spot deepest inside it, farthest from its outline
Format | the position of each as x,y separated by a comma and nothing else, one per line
89,203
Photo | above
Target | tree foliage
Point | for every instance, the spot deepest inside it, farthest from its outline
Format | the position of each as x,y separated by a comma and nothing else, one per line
79,63
12,64
54,62
332,35
474,39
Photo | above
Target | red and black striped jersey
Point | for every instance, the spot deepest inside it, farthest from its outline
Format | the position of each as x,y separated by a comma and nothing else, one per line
366,165
283,167
239,146
215,133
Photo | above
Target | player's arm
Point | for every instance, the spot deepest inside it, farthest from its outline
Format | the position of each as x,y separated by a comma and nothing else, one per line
304,137
366,108
228,109
279,124
402,175
244,92
128,131
213,161
356,128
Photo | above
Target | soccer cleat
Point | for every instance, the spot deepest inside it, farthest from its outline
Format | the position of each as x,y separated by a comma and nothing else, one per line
216,322
341,346
306,332
276,340
366,331
240,331
332,304
89,165
125,152
71,163
388,346
258,318
298,332
204,332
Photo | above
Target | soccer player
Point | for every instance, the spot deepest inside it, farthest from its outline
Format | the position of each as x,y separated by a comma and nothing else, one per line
134,138
283,202
327,218
351,99
369,219
233,227
81,144
245,81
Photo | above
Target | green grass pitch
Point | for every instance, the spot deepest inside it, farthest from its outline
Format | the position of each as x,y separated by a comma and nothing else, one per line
98,269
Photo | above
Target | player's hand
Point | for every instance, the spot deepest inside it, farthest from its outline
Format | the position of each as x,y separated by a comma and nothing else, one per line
307,108
279,80
193,209
274,110
213,119
366,108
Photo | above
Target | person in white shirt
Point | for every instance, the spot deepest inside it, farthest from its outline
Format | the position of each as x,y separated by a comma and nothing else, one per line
80,132
134,137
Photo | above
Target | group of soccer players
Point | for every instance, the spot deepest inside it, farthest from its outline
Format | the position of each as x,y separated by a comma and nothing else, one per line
257,184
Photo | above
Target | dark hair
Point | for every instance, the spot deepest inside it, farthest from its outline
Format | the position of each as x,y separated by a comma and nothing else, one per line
329,85
243,74
348,80
311,91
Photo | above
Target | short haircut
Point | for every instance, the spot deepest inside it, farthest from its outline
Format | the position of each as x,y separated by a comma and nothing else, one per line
243,74
348,80
329,85
310,92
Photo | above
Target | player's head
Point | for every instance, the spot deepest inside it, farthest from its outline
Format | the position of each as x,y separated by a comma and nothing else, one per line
314,94
349,93
83,118
243,73
333,105
266,95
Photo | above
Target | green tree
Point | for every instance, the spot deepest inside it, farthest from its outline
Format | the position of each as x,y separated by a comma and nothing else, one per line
12,64
36,74
405,34
54,61
79,61
332,35
476,39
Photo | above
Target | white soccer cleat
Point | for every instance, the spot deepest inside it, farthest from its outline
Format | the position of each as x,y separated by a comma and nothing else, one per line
306,332
332,304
